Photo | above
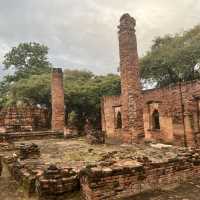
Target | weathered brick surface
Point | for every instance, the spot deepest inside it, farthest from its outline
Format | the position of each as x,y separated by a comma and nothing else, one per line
29,118
56,182
28,151
171,116
21,136
178,106
117,181
57,92
132,118
1,165
109,104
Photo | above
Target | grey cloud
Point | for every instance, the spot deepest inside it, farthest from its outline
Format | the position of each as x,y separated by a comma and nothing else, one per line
83,34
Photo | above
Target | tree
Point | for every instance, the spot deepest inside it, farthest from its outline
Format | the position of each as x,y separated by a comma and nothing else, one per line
27,59
34,90
83,93
172,58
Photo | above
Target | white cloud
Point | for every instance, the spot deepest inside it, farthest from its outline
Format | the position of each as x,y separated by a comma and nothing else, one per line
83,34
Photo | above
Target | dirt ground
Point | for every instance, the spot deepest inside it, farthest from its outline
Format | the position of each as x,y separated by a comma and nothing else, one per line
77,153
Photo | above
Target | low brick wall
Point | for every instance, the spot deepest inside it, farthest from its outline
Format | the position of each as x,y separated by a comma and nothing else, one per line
1,167
29,118
48,182
55,182
128,178
105,180
21,136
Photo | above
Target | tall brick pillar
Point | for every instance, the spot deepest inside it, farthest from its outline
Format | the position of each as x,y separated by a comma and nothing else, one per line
57,94
132,101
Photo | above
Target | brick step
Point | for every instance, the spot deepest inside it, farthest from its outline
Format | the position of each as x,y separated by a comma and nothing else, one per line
30,135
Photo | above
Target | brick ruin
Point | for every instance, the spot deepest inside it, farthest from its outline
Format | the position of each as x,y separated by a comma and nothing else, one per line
128,178
57,92
34,118
131,101
108,178
21,119
169,114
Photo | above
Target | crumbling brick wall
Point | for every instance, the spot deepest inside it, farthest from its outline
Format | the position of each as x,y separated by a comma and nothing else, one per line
110,103
167,101
178,109
124,180
26,118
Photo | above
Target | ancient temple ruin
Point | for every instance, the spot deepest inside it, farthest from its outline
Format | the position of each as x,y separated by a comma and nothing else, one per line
49,166
23,118
169,114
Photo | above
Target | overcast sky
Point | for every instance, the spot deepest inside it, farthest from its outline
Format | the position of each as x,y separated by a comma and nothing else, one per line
82,34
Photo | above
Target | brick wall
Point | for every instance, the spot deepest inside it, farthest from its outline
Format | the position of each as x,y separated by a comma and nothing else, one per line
171,112
167,101
16,119
177,106
57,92
108,115
129,178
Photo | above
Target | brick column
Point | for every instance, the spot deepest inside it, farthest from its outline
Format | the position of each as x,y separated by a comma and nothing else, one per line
132,101
57,93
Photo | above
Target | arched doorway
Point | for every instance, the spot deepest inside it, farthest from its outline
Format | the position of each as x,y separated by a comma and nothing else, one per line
119,120
156,120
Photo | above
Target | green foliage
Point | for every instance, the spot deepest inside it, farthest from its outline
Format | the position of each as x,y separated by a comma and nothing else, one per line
27,59
33,90
83,92
172,58
30,81
72,119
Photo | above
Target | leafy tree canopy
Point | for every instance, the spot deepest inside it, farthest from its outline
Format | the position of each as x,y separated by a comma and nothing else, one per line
27,59
172,58
30,91
83,92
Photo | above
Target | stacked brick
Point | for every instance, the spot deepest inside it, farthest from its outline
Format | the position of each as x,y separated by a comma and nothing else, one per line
132,101
29,151
171,113
10,137
178,105
57,94
15,119
55,182
128,178
1,167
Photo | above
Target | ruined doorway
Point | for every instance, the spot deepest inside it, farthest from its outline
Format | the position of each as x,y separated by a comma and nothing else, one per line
119,121
156,120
